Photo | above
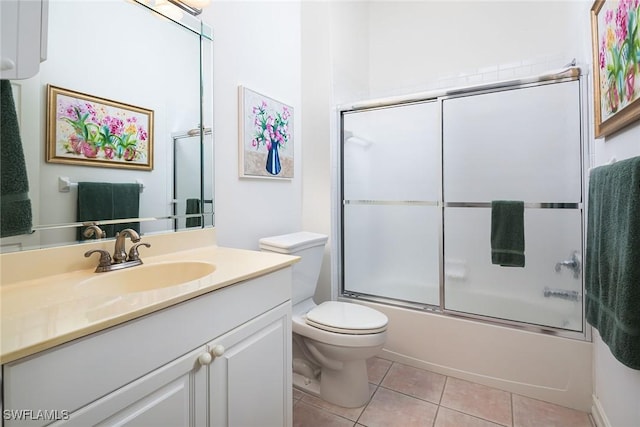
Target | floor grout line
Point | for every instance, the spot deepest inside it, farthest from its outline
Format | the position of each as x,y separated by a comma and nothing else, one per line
513,421
410,395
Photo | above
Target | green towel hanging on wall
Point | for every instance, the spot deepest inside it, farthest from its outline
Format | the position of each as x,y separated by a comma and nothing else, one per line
612,264
15,206
193,207
104,201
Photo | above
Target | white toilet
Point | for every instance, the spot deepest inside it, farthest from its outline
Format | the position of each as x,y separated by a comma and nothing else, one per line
333,340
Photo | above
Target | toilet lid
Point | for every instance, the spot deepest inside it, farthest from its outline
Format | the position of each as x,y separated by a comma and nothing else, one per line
346,318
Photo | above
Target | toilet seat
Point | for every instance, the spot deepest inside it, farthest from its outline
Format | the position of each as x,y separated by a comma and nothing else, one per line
346,318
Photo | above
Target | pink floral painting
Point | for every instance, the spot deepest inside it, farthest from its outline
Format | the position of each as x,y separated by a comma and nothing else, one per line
97,131
616,63
266,138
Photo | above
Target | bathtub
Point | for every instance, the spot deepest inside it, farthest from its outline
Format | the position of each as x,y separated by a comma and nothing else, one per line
538,365
532,309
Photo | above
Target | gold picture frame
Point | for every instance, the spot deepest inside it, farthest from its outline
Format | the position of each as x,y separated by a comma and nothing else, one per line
88,130
615,36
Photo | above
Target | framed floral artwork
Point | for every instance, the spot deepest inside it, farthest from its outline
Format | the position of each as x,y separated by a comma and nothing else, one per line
265,136
616,66
91,131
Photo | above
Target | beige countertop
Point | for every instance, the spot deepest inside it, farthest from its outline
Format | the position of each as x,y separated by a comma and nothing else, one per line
40,313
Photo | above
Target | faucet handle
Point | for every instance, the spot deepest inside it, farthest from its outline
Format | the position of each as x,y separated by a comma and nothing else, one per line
133,252
105,259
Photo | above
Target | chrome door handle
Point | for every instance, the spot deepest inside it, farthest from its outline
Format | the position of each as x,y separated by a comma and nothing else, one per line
572,264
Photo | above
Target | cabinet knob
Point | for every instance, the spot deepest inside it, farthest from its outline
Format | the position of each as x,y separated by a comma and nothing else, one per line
205,358
217,350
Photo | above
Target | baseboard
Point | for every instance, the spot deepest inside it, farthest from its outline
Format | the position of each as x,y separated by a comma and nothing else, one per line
598,414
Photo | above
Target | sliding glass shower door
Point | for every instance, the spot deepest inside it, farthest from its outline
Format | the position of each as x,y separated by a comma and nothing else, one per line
522,144
390,211
417,184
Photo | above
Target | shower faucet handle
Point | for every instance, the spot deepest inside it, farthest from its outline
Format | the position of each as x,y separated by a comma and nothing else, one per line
572,264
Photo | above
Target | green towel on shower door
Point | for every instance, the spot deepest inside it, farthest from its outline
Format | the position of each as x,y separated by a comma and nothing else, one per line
507,233
15,206
612,264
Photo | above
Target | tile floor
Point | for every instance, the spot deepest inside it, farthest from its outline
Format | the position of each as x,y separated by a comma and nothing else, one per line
404,396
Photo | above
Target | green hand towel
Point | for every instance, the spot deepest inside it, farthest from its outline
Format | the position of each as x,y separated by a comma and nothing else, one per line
507,233
103,201
612,263
193,207
95,203
126,205
15,206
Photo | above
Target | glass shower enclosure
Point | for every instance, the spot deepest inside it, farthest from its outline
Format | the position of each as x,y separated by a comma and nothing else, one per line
417,178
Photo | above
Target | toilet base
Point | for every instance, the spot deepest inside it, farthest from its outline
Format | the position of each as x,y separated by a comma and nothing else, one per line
347,387
309,386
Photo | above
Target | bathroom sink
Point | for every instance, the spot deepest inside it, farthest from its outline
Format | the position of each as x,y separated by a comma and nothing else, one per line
147,277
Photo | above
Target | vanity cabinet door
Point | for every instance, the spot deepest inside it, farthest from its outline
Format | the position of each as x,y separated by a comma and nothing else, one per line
173,395
250,376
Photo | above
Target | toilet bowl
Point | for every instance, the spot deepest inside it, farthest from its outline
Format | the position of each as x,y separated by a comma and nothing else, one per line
331,340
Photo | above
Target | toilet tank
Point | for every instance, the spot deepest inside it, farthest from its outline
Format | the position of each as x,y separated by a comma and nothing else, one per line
310,247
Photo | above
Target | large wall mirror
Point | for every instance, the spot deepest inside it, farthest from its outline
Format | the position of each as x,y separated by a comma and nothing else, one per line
126,52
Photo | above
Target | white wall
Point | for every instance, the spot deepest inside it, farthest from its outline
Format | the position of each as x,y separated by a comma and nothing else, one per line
413,44
335,64
257,45
316,104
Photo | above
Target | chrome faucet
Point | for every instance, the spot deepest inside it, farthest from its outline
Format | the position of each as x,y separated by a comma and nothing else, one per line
120,258
119,254
572,264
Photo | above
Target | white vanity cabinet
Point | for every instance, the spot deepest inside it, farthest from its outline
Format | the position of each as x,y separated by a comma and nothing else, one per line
250,378
172,395
23,39
220,359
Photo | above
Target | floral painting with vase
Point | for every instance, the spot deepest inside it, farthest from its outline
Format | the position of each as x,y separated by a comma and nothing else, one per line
266,136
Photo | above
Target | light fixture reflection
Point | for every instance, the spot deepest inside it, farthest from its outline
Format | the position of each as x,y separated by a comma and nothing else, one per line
167,9
193,7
